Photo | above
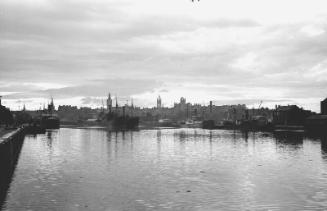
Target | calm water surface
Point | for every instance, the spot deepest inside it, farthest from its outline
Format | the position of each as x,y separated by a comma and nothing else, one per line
169,169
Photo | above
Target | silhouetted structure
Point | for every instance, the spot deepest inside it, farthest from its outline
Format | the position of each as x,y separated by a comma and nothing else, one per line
323,107
183,101
210,106
159,104
6,117
316,123
50,120
290,115
120,119
208,124
22,117
109,103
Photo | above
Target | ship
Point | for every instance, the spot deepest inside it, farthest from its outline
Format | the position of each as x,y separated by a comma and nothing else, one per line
120,118
50,121
115,121
190,123
48,118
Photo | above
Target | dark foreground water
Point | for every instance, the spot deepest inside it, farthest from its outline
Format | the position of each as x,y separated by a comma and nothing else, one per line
181,169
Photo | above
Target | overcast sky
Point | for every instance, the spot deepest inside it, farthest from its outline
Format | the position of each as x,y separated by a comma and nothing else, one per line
227,51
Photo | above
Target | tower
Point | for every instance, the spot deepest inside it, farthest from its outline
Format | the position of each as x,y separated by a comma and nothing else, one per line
210,106
182,104
51,106
183,101
109,103
159,102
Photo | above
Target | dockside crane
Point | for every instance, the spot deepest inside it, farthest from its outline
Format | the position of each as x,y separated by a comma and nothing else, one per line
260,104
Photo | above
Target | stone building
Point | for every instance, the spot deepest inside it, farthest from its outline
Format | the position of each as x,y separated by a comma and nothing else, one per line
323,107
290,115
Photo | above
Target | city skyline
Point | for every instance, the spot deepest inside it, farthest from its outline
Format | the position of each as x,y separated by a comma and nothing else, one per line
228,52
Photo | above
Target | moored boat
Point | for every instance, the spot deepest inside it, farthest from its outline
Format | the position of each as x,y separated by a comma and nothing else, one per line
49,119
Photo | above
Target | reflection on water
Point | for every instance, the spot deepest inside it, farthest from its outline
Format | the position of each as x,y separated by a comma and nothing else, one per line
289,138
181,169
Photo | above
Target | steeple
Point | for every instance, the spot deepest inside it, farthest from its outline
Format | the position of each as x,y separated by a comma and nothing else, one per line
109,103
159,102
51,106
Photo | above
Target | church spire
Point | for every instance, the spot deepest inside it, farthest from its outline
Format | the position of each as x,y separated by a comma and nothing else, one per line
109,103
159,102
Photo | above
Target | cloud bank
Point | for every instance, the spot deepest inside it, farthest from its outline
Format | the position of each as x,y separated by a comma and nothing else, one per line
233,52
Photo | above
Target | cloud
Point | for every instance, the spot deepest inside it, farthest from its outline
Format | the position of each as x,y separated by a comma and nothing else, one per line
93,88
87,48
93,101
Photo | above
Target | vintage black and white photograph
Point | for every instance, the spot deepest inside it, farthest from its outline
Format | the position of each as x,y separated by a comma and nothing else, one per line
155,105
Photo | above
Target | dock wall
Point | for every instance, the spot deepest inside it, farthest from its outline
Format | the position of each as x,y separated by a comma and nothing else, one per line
10,148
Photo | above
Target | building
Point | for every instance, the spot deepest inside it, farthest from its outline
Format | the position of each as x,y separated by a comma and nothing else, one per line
316,123
210,106
6,117
323,107
290,115
183,101
51,107
109,103
159,103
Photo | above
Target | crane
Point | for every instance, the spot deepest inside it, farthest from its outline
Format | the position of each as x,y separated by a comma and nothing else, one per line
260,104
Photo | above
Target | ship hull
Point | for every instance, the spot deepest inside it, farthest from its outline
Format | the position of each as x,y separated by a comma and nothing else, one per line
122,123
50,123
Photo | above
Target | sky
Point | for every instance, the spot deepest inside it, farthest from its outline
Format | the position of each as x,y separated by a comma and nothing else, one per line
227,51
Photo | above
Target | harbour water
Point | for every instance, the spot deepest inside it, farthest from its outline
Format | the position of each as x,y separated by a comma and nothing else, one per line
168,169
